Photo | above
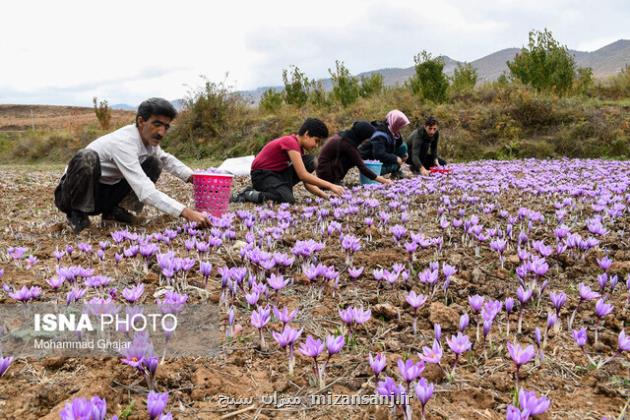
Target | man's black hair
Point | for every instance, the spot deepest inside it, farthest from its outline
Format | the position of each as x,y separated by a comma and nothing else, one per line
155,106
315,128
430,121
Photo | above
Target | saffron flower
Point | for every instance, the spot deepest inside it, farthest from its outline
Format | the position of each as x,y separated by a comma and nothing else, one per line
580,337
133,294
432,354
259,319
156,403
5,362
287,339
377,363
416,302
531,404
410,370
458,344
424,392
82,408
520,355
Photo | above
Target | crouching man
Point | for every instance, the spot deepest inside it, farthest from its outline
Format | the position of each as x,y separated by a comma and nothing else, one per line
126,162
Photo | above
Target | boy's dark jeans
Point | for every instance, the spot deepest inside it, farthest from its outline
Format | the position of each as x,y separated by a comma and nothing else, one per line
278,186
80,190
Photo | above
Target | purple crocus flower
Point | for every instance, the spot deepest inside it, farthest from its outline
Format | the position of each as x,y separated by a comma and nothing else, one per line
82,408
21,295
432,354
133,294
55,282
602,308
205,268
604,263
464,320
287,339
509,305
558,299
355,273
476,303
377,363
531,404
156,403
459,344
580,337
410,370
74,295
312,347
277,282
5,362
334,344
415,300
520,355
623,342
252,298
424,391
361,316
283,315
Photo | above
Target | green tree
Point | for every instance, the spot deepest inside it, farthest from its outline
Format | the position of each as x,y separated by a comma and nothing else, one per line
464,78
103,113
371,85
345,86
583,81
271,100
296,86
429,81
545,64
318,95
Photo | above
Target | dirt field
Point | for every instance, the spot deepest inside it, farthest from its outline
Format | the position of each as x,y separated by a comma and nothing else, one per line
483,383
25,117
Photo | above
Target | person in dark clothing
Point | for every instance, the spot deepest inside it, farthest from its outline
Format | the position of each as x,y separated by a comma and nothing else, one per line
340,154
282,164
386,144
422,145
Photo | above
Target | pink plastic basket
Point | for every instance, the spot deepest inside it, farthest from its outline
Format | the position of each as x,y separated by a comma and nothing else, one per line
212,192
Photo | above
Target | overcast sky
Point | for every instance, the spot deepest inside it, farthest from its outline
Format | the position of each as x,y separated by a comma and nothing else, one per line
66,52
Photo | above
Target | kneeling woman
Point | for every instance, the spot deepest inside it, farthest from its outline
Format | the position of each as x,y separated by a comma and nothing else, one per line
340,154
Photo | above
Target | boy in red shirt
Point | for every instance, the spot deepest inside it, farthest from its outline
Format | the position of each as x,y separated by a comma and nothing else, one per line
281,165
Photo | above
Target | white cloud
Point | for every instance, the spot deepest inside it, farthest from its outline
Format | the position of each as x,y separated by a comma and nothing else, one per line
68,51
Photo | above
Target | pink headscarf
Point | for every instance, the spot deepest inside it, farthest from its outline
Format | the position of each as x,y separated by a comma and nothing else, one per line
396,120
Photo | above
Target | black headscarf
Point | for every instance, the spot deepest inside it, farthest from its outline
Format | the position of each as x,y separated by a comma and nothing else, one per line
360,131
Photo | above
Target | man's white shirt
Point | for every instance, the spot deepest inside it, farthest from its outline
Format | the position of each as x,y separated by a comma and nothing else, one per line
122,152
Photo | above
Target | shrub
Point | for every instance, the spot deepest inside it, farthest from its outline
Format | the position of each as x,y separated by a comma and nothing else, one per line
296,86
318,95
371,85
583,83
429,81
271,100
544,65
345,86
464,79
103,113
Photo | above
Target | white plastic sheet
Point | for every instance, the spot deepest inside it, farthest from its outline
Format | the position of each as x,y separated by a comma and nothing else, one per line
239,166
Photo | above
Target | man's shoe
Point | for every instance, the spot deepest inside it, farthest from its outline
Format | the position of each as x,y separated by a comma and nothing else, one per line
252,196
78,220
118,214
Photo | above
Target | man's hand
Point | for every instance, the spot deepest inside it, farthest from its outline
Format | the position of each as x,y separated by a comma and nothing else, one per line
424,172
338,190
404,158
194,216
399,160
384,181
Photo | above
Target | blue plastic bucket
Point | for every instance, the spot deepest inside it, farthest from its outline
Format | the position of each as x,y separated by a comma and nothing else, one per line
375,166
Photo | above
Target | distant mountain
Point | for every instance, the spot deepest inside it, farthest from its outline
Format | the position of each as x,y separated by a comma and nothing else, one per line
605,62
123,107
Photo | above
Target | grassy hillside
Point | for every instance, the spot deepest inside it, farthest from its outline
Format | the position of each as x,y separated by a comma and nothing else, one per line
495,121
